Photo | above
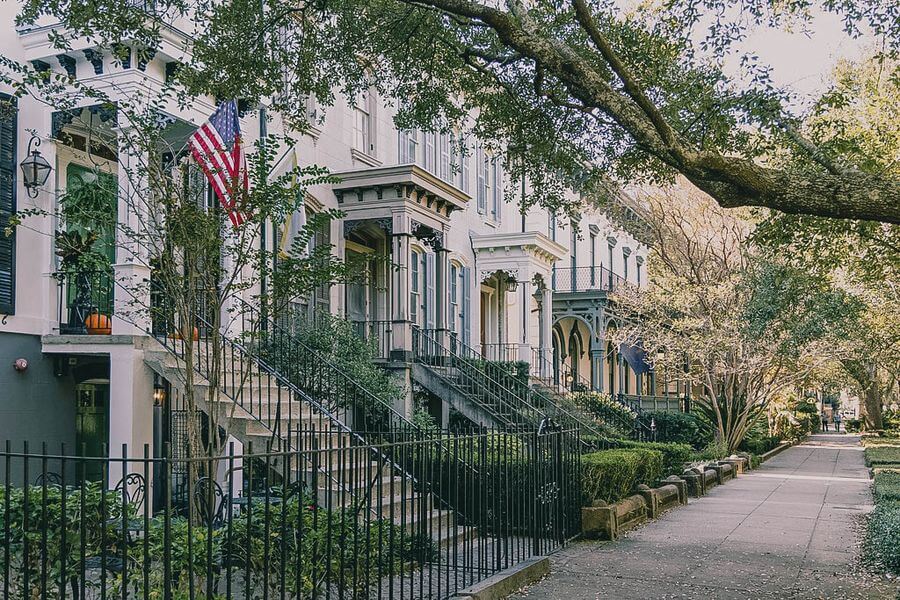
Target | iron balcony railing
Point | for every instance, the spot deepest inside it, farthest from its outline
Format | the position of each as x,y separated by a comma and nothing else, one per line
378,334
81,295
500,352
280,530
655,403
585,279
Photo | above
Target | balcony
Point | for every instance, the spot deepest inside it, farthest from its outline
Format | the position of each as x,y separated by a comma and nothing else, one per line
585,279
82,295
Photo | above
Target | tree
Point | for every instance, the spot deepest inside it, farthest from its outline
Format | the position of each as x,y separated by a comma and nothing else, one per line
858,116
747,328
572,92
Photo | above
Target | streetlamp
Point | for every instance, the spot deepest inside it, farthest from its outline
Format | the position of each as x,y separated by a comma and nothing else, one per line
35,168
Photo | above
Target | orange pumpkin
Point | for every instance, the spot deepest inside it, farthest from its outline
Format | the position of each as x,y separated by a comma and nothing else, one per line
177,335
98,324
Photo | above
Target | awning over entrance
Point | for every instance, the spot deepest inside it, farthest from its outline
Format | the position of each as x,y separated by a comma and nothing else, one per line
635,357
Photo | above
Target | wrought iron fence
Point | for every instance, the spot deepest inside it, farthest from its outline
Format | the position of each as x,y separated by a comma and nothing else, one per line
267,524
582,279
83,294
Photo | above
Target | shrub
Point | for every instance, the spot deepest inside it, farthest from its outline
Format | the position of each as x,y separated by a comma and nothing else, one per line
714,451
607,411
880,545
678,428
610,475
853,425
887,487
760,445
673,455
883,456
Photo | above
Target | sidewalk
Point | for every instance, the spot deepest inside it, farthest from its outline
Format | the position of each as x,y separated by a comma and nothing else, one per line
789,529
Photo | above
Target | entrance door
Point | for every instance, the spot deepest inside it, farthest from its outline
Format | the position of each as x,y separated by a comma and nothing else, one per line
357,294
92,426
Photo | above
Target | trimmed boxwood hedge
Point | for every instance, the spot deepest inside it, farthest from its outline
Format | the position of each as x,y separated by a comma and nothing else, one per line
673,455
883,456
610,475
880,546
887,487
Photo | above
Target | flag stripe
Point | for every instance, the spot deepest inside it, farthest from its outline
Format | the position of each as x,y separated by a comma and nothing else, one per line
216,146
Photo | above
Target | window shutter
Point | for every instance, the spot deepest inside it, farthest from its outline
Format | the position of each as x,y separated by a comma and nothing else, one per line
7,208
465,323
429,292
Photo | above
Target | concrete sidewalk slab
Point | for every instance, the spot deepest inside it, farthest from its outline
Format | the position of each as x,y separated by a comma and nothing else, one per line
789,529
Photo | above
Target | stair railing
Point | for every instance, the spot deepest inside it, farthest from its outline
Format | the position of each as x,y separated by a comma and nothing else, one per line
477,378
564,383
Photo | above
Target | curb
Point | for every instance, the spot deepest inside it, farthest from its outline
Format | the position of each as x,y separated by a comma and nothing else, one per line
508,581
774,451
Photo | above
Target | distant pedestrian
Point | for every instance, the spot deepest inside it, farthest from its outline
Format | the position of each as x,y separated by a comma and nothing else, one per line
824,422
837,422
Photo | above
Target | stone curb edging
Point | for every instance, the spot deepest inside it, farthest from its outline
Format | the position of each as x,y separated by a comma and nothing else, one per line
608,522
508,581
774,451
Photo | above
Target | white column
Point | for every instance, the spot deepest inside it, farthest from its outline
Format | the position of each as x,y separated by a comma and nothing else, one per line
546,338
130,409
131,289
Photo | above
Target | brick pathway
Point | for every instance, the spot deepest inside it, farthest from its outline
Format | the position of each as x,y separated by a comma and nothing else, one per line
790,529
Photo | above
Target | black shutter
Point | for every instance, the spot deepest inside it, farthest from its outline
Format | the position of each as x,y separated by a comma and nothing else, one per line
8,112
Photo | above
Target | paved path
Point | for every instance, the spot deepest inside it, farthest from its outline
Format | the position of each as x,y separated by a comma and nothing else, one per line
787,530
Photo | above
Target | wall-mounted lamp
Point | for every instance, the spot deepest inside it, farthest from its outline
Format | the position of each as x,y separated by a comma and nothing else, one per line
511,284
159,391
35,168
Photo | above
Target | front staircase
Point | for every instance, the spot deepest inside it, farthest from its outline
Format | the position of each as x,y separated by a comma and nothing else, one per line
489,393
270,392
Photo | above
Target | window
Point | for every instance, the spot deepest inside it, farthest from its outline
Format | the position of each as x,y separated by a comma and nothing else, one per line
483,187
409,146
552,227
638,269
464,164
593,258
429,151
444,145
496,188
454,298
415,286
8,167
625,266
362,123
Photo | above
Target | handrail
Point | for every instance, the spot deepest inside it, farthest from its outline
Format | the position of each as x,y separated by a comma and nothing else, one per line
428,350
521,392
273,328
565,373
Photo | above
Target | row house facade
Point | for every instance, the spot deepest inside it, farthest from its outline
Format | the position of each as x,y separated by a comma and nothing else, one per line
467,268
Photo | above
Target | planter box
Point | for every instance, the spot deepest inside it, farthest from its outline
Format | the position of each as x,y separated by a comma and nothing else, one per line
694,482
607,522
724,471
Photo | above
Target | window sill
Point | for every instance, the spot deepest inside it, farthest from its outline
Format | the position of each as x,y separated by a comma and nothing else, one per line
364,158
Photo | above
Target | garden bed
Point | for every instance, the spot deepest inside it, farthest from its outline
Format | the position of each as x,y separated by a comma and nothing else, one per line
881,547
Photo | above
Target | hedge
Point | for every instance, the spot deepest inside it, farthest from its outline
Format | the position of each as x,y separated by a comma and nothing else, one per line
883,456
882,532
674,456
610,475
678,428
887,487
760,445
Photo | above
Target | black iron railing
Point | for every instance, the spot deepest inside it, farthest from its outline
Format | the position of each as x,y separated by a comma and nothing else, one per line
290,533
583,279
502,389
81,295
566,385
378,334
655,403
500,352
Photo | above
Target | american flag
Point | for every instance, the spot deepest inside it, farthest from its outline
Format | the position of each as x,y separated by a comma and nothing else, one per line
216,146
